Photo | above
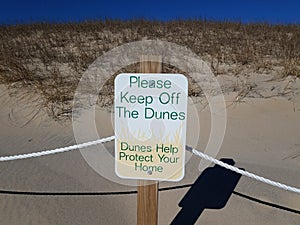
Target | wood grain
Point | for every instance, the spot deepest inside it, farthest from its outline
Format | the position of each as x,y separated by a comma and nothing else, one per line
147,198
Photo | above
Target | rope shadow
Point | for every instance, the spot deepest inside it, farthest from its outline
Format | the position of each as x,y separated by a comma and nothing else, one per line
211,190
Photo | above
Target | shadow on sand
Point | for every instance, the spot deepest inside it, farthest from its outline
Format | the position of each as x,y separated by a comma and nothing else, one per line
211,190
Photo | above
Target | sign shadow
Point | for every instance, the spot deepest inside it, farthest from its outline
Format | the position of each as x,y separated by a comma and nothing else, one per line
211,190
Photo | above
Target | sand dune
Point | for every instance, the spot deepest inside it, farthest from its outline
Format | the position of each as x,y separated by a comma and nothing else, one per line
262,136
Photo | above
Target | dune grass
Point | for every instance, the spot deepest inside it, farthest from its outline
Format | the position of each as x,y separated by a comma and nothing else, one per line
49,59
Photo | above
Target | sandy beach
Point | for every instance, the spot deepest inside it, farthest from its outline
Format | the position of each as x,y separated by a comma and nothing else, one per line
262,136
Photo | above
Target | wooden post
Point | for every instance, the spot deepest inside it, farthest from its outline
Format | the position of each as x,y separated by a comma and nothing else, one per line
147,198
147,203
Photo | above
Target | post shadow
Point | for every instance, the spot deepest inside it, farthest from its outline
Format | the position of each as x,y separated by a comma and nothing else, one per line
211,190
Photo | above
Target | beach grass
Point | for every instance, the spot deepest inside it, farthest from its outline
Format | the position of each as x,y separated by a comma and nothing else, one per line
49,59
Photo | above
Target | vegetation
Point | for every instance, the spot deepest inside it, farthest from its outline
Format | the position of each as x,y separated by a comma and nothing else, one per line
49,59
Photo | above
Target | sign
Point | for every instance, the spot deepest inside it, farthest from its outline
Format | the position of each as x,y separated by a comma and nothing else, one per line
150,126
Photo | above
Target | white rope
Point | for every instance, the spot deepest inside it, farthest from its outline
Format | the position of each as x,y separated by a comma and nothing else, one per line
55,151
245,173
200,154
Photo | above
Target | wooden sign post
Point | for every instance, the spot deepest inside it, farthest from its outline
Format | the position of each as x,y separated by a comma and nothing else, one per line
150,131
147,198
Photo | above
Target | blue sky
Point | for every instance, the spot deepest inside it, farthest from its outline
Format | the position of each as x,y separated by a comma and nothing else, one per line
275,11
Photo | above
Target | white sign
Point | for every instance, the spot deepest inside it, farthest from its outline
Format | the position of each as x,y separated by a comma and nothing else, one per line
150,126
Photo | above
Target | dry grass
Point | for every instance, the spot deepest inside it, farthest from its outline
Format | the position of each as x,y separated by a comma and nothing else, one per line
48,59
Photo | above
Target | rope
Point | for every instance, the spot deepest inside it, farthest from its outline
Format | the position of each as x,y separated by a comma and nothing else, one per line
200,154
35,193
55,151
270,204
245,173
39,193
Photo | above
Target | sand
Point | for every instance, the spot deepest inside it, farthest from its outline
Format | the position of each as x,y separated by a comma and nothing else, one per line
262,136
